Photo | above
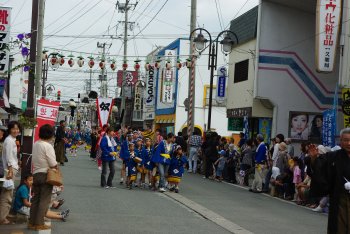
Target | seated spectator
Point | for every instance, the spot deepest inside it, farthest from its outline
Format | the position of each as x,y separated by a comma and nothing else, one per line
304,191
323,205
22,202
283,185
220,164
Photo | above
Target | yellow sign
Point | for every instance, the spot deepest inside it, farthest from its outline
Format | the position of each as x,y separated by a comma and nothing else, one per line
345,97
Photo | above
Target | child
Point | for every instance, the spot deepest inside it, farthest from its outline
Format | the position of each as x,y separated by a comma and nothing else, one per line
131,166
296,177
176,169
138,153
147,165
220,164
22,202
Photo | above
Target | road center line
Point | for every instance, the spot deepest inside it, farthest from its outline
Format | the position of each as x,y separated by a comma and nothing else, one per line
208,214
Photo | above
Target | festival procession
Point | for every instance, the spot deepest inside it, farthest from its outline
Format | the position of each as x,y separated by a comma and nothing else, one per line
159,116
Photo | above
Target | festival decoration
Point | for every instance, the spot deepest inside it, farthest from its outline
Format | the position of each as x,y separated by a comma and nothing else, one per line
178,64
137,65
71,61
80,61
91,62
125,65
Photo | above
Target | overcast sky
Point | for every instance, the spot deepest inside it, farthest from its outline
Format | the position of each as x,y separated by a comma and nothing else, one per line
77,26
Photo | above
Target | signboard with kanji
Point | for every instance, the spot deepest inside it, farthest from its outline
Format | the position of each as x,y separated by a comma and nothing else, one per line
5,20
346,98
328,15
138,98
221,85
329,128
47,113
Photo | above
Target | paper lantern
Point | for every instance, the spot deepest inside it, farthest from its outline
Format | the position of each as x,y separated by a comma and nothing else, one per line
125,66
178,64
168,65
80,61
71,62
91,63
102,64
147,66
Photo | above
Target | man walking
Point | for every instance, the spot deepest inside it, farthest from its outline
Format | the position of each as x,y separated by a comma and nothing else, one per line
60,141
330,175
260,165
195,142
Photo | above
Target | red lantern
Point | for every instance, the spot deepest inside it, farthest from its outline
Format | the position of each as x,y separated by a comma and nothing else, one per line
53,60
179,64
157,64
113,66
61,61
71,62
91,63
125,66
137,67
101,64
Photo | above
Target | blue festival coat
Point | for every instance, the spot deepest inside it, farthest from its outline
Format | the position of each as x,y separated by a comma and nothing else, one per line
106,150
177,165
161,149
147,158
124,151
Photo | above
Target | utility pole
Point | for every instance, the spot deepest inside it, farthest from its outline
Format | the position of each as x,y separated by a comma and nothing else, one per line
124,8
103,79
192,74
27,143
39,48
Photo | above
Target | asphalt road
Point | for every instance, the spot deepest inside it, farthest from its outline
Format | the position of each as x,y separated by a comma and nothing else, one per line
203,206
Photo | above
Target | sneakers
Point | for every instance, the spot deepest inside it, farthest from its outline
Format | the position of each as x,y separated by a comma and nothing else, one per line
106,187
100,168
189,171
176,190
162,190
318,209
64,215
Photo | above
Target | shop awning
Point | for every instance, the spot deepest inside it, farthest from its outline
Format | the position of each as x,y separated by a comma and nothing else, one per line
165,119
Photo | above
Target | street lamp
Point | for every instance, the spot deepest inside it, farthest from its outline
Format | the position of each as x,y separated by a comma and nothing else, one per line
50,88
226,46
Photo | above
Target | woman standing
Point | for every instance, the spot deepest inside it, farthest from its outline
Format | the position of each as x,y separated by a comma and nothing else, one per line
10,163
43,158
108,158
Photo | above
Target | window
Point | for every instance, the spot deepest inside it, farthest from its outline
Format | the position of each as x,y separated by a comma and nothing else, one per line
241,71
137,115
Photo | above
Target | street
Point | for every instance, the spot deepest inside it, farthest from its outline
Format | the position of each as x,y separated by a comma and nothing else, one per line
202,206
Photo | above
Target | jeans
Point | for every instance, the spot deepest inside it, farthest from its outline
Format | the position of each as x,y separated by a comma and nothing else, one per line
111,166
163,169
193,157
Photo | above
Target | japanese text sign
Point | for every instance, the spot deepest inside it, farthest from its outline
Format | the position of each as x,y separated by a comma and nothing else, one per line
47,113
327,30
221,85
5,19
329,128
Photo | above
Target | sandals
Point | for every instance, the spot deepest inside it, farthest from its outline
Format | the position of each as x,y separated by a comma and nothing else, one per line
6,222
60,203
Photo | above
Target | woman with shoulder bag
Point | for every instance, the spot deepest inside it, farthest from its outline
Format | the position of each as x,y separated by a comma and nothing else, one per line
43,159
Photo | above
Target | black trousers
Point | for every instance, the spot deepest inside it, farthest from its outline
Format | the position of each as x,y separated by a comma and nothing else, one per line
111,166
209,167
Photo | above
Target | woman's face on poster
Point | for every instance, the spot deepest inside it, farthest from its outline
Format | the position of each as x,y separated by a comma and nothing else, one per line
299,123
319,122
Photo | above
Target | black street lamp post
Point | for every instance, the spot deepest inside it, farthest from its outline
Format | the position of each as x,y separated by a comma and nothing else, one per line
200,45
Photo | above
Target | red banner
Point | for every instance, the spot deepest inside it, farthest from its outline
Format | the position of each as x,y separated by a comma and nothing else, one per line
131,77
47,113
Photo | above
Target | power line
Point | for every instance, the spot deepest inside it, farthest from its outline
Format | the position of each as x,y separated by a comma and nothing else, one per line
217,11
151,19
19,12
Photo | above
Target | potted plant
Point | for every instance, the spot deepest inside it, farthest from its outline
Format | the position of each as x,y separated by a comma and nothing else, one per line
27,124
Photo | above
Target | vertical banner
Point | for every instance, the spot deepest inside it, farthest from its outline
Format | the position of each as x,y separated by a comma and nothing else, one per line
328,14
149,94
5,20
246,127
346,106
265,128
221,85
47,113
104,107
329,127
138,98
168,76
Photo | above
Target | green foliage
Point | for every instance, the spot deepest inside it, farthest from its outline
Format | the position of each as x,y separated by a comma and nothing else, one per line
27,122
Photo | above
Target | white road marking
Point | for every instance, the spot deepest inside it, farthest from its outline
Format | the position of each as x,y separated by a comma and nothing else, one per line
208,214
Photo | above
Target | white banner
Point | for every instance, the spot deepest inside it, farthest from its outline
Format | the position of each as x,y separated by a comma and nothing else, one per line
104,106
168,76
150,88
5,20
137,99
328,14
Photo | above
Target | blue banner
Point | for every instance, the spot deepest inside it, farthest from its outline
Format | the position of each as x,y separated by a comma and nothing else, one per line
329,127
221,85
265,129
246,127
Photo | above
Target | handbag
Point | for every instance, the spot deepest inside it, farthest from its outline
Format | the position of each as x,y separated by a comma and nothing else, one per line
54,177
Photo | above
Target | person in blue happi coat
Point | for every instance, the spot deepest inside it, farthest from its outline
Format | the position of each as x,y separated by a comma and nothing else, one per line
162,158
176,169
124,155
147,164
